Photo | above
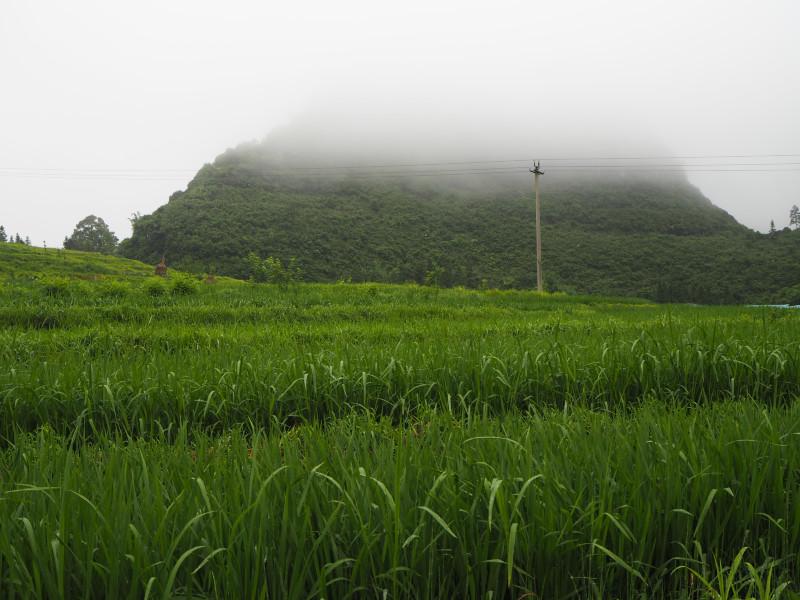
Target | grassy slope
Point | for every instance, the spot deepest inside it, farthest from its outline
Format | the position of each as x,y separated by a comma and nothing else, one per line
656,239
20,262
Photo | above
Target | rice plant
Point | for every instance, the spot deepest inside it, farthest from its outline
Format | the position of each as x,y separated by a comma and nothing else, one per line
348,441
655,502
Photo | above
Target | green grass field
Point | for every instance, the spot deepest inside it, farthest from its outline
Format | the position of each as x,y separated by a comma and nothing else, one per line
25,263
182,439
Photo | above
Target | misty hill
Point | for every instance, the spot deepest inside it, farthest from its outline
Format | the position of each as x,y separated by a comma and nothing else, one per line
620,234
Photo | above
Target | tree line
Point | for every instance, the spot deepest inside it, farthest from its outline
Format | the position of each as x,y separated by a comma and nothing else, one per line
13,239
91,234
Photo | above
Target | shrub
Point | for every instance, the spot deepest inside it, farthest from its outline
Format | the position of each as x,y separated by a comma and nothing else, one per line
272,270
155,288
183,285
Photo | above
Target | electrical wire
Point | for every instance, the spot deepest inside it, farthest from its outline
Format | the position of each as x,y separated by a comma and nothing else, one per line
440,168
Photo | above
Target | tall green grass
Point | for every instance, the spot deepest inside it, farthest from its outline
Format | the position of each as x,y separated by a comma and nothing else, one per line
359,441
231,354
562,504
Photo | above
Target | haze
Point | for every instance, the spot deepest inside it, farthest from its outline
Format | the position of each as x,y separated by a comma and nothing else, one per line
108,110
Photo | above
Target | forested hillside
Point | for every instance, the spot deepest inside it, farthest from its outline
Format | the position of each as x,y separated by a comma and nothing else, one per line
621,234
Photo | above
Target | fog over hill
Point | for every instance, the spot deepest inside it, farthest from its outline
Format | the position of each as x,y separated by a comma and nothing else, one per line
369,131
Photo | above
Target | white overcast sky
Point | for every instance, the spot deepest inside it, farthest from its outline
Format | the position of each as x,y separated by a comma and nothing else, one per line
157,88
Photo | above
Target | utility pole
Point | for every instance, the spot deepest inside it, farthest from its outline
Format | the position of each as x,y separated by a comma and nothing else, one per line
536,172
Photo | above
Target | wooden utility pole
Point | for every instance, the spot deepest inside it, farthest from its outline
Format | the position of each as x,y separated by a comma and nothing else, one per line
536,172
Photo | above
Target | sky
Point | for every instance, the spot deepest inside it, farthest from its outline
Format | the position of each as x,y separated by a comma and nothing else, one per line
107,108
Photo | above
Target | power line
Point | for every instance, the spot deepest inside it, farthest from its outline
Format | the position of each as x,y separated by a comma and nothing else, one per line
403,169
401,165
588,166
563,170
684,157
688,165
96,170
680,170
66,177
528,160
450,173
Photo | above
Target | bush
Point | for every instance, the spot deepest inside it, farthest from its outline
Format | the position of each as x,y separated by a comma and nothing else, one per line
183,285
272,270
155,288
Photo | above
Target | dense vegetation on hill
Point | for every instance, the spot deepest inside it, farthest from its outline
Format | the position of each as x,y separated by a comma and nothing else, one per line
658,238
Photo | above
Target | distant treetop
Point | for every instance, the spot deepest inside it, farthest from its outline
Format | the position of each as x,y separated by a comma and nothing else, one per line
92,235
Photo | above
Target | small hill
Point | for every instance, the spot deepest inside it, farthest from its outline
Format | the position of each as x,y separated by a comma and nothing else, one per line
624,234
24,262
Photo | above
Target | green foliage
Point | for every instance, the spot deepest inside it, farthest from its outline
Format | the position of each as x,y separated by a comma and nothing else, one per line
393,441
114,290
182,285
92,234
3,234
740,579
155,287
434,276
57,287
272,270
652,503
23,262
789,295
657,238
396,350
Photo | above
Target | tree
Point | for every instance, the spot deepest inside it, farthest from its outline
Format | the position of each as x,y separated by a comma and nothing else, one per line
794,217
3,234
92,235
18,240
27,240
772,230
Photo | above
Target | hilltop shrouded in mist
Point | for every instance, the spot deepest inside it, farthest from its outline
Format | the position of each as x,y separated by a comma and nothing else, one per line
362,132
480,152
